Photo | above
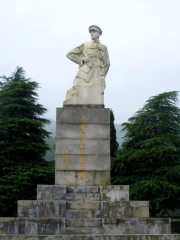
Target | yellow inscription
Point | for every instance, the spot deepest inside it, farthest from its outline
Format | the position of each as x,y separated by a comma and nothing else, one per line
83,174
83,166
82,118
66,162
82,126
66,156
66,151
82,150
82,135
82,159
81,142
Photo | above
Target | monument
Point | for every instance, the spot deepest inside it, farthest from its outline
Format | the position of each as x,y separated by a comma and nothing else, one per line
83,205
93,60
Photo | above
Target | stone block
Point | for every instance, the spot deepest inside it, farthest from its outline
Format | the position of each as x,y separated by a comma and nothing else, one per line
8,225
136,226
41,208
126,209
114,193
83,222
84,231
72,130
92,116
41,226
92,146
83,197
92,178
51,192
83,189
82,213
83,205
96,162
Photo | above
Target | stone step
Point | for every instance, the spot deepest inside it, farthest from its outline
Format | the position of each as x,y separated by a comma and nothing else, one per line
58,192
61,226
136,226
82,213
93,237
126,209
83,197
130,209
41,208
33,226
83,189
94,205
84,222
84,230
76,209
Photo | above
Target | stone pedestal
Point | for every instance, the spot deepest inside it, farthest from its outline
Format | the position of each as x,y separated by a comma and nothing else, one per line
82,145
83,205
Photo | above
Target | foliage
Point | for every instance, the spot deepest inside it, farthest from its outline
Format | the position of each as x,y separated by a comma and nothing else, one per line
113,143
149,160
22,141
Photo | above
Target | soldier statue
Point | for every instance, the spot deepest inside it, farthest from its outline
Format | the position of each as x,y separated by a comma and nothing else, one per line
93,60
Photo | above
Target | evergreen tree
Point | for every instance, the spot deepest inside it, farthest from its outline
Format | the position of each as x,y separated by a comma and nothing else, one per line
149,160
22,142
113,143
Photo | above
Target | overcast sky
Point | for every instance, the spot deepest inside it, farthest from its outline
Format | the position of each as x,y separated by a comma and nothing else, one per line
142,36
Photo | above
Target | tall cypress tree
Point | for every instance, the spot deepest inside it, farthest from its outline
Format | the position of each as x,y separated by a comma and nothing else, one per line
113,143
149,160
22,141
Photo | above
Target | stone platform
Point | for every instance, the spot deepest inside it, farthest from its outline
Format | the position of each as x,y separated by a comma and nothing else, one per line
83,210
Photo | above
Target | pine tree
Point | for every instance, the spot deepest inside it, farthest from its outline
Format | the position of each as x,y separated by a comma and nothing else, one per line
149,160
113,143
22,141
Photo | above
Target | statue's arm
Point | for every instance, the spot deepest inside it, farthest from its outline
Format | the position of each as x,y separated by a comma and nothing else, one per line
107,64
75,54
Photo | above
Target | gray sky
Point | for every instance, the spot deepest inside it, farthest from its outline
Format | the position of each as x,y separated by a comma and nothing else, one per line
142,36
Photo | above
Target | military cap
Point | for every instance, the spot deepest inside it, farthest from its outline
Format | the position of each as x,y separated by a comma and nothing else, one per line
94,27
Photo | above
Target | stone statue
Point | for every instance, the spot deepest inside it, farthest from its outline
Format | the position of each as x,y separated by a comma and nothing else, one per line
93,60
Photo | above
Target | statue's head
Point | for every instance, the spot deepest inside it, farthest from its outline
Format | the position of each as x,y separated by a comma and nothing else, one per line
95,32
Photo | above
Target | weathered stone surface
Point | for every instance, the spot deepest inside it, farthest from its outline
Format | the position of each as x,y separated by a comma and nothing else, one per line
126,209
70,178
136,226
95,131
41,226
8,225
114,193
41,208
92,146
51,192
32,226
83,222
92,116
83,205
84,230
83,189
94,162
82,213
93,237
83,197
